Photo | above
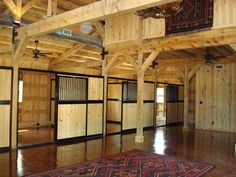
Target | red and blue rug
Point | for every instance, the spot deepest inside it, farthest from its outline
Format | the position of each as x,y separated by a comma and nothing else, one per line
133,164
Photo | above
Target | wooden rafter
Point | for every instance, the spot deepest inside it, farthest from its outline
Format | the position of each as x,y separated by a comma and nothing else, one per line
149,61
103,9
66,54
28,6
111,63
132,61
100,29
193,71
160,71
11,6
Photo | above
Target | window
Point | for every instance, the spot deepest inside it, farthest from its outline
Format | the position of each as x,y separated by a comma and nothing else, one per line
72,89
130,91
160,95
20,98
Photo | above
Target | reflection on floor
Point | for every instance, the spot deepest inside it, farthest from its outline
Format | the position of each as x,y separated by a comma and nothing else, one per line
211,147
113,128
160,120
35,136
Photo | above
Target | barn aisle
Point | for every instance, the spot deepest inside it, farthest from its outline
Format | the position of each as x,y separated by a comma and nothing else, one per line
205,146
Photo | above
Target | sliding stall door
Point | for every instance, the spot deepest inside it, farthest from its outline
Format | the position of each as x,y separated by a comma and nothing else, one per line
5,107
95,106
72,107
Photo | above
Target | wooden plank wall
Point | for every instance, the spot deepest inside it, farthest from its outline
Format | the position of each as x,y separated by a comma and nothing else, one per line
95,89
5,96
35,107
224,13
125,28
71,121
192,101
216,98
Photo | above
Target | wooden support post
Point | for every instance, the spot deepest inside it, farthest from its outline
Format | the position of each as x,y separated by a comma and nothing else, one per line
52,8
14,106
186,98
18,49
139,138
104,97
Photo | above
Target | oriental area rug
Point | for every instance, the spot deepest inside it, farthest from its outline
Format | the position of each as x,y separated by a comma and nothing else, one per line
133,164
195,14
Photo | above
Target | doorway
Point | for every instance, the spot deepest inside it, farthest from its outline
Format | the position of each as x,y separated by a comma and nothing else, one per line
161,105
36,108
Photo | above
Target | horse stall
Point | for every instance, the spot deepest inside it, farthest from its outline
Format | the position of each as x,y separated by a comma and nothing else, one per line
122,103
79,106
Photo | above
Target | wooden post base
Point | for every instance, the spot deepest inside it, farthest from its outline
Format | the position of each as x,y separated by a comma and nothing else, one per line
139,139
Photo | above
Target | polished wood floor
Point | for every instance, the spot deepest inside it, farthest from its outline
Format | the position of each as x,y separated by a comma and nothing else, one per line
31,136
213,147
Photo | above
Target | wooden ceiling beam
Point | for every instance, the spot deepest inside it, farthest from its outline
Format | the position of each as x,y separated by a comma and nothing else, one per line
103,9
132,61
66,54
29,5
149,61
208,38
11,6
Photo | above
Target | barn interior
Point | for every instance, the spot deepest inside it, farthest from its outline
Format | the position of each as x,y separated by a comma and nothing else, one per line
84,79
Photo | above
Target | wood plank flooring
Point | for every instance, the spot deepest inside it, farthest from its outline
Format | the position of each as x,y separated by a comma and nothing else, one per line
212,147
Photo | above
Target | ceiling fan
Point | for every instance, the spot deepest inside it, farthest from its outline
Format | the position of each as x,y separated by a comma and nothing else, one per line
37,53
209,58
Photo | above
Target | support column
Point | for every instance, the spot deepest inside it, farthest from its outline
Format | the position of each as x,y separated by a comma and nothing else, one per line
186,98
104,97
139,121
139,138
14,106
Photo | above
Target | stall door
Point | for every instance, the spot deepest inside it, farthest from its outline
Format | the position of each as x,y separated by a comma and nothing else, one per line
5,107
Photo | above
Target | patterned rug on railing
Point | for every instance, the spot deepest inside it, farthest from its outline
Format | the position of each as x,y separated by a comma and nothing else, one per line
196,14
134,164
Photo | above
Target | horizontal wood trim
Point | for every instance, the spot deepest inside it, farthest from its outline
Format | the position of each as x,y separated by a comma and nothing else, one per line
5,102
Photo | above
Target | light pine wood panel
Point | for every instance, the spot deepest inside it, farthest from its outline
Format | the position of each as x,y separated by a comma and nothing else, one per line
71,121
95,119
95,89
129,116
148,114
224,13
149,91
153,28
114,110
4,125
216,98
35,107
115,91
5,84
172,113
125,28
